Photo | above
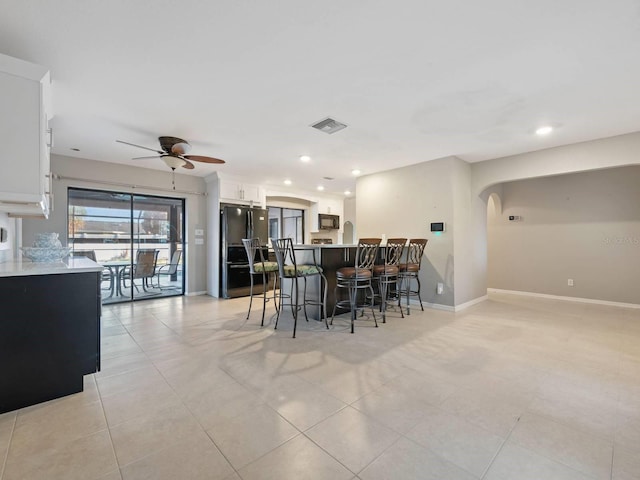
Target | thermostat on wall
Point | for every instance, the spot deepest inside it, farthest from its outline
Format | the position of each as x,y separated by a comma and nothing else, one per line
437,227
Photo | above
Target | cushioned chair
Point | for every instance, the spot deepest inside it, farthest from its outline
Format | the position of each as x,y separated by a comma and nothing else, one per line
387,274
289,270
259,266
358,277
410,270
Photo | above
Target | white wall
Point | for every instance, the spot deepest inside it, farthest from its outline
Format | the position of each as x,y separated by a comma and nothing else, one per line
7,248
350,214
584,226
196,209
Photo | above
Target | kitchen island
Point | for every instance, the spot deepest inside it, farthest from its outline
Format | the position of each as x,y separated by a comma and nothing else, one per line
49,329
330,257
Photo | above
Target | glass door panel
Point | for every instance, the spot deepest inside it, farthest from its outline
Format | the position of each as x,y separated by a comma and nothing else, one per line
99,227
116,229
158,238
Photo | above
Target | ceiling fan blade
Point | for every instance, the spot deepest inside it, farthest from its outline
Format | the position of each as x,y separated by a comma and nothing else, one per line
160,152
188,165
144,158
200,158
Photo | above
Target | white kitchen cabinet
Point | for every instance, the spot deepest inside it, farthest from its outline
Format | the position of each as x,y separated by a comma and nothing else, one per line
25,137
233,191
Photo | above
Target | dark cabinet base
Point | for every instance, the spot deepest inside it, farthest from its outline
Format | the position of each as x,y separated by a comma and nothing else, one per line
49,336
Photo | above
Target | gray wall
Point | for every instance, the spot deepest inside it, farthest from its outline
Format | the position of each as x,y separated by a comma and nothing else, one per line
584,226
609,152
402,203
469,220
196,209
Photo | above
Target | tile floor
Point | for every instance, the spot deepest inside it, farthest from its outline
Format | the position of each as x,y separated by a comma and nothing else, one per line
512,388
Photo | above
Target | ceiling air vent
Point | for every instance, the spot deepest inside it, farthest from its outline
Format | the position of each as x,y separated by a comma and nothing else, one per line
328,125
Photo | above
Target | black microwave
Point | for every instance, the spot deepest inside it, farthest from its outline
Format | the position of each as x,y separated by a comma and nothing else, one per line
328,222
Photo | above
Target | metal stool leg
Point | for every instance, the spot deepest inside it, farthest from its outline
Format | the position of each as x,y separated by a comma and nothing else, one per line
265,287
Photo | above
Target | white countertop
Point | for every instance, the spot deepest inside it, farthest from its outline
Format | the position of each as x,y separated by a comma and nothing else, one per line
25,267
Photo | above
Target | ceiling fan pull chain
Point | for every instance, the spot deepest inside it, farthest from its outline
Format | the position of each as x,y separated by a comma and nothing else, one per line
173,178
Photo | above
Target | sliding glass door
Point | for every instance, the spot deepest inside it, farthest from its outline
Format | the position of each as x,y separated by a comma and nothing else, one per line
138,238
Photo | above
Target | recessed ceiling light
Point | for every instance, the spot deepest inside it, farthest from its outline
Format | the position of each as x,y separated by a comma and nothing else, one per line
544,130
347,192
355,172
320,187
288,182
305,158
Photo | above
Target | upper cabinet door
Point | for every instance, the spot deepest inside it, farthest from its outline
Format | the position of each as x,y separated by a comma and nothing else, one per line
236,192
24,135
230,190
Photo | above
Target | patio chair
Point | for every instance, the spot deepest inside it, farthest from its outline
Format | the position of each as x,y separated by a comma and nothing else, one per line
144,269
169,269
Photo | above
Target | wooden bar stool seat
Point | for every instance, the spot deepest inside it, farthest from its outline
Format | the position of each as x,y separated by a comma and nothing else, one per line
356,278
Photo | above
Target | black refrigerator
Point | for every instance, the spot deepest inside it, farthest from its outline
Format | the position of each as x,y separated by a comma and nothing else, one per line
238,222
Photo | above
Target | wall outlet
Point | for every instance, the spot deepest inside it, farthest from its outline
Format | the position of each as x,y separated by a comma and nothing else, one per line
570,282
440,288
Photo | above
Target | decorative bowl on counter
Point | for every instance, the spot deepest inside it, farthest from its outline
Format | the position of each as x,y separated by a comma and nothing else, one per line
48,254
47,240
46,249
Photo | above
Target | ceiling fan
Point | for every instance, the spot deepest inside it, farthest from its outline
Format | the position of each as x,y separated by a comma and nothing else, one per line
174,153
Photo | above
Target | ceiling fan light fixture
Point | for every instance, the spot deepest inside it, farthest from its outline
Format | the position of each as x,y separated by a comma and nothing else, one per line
180,148
172,161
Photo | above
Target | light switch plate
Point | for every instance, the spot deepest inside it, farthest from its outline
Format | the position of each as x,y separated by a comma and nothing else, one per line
199,232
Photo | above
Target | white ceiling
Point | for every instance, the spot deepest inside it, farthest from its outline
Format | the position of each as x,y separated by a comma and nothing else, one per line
414,80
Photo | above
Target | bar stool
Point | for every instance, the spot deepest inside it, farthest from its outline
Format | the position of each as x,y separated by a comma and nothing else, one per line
357,278
288,269
410,270
258,266
387,274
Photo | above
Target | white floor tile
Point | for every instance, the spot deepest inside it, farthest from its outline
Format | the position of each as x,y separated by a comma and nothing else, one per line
190,389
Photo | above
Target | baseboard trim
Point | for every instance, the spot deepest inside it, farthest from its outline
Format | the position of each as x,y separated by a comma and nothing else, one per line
470,303
449,308
194,294
568,299
435,306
